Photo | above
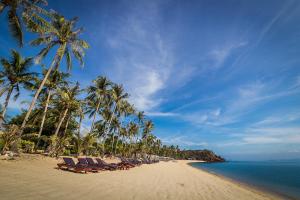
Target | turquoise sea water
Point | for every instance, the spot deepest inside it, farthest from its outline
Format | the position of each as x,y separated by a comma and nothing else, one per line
281,177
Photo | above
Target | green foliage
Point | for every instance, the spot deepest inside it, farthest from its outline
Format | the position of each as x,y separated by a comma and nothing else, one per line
67,152
53,120
27,146
9,137
1,144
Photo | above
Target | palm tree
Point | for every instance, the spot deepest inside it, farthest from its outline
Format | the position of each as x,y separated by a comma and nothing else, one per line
55,80
117,94
80,114
67,99
15,7
97,94
15,72
60,33
133,130
148,127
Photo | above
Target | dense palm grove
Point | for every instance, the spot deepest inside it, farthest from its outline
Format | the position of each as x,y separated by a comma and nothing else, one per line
53,121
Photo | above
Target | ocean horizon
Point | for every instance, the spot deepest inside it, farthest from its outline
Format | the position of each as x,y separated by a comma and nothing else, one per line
280,177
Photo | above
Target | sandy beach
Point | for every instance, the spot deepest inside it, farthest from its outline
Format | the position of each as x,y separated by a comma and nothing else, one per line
35,177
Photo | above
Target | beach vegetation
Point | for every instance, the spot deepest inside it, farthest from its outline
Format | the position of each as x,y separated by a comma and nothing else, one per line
53,121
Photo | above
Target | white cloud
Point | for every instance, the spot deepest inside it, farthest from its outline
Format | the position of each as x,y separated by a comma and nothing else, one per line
244,99
161,114
143,59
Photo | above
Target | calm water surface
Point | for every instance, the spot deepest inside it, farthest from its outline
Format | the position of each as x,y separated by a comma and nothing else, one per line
282,177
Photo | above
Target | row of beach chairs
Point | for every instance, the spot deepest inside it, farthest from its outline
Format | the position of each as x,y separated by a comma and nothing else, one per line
89,165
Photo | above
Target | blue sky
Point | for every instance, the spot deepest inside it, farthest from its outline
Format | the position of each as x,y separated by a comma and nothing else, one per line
222,75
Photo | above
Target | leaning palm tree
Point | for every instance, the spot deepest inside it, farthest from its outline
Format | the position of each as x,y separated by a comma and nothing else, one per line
148,127
60,33
55,80
68,102
67,99
17,7
78,140
97,94
133,130
117,95
15,72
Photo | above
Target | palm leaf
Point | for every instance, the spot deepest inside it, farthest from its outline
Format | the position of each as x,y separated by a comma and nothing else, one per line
15,26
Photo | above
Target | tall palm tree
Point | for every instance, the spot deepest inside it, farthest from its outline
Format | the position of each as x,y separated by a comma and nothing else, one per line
117,95
80,114
148,127
60,33
14,9
56,79
97,94
124,110
133,130
15,72
67,98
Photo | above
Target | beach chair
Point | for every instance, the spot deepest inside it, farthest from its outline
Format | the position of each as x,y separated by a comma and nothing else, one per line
70,165
127,162
101,166
83,161
112,166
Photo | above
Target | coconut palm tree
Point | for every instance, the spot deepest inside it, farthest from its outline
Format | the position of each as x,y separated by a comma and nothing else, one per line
125,109
60,33
56,79
147,128
117,95
17,7
15,73
79,113
97,94
67,99
133,130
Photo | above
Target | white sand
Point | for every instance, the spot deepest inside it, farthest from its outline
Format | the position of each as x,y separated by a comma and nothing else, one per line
35,177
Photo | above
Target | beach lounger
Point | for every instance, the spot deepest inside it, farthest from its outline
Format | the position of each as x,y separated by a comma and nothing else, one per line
100,165
112,166
70,165
127,162
84,161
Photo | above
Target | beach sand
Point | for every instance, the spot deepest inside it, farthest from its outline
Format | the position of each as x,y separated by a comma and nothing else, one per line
35,177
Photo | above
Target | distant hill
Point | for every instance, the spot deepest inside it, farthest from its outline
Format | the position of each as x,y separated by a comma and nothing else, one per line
205,155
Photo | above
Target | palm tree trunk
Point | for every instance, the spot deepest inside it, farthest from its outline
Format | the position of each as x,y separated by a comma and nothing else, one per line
67,124
94,117
116,146
43,119
6,102
109,124
54,63
110,120
61,121
78,136
131,142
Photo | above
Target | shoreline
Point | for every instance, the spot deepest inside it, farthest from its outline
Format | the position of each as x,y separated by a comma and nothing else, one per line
35,177
248,186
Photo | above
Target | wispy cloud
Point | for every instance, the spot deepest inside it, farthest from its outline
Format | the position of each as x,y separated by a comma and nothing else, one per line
161,114
245,99
219,55
143,58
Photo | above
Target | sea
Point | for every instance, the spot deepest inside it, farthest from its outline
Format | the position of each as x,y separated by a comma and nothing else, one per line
280,177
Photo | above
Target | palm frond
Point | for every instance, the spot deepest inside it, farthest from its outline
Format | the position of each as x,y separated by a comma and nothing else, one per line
15,26
68,59
44,52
